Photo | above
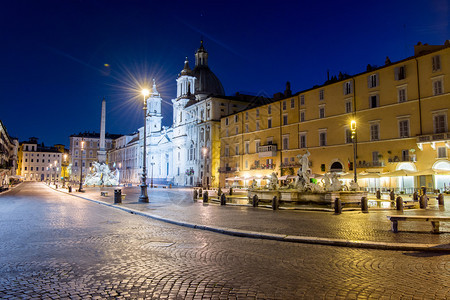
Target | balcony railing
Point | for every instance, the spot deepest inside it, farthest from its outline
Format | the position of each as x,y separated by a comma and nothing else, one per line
227,170
428,138
263,167
395,159
267,151
370,164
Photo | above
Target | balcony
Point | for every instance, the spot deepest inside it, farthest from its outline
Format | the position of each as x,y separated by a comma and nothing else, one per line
369,164
267,151
227,170
263,167
436,137
396,159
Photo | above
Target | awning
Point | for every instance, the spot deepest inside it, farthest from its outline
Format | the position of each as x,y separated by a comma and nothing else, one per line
433,172
399,173
369,175
234,179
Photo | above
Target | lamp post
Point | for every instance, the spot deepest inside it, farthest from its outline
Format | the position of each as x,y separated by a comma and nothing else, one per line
151,180
80,189
144,197
205,152
353,128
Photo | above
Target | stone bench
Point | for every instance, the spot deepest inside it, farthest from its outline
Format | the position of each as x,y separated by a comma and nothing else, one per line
433,219
104,194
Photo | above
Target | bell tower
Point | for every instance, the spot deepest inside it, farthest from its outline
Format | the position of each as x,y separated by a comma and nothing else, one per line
154,116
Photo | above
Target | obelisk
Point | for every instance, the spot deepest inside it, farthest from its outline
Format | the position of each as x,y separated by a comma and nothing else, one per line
101,154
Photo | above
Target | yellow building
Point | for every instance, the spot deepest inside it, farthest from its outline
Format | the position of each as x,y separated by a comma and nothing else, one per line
400,111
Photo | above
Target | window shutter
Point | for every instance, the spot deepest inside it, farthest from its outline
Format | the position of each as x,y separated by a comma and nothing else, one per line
351,87
345,88
368,82
396,73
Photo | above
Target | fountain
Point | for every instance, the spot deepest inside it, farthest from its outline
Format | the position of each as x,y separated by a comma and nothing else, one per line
102,175
304,191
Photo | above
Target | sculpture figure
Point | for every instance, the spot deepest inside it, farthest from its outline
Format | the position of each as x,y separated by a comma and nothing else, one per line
102,175
273,181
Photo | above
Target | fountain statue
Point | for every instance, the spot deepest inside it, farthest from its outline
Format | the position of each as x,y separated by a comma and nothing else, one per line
102,175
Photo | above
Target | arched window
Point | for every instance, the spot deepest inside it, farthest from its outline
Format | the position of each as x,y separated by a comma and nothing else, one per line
336,167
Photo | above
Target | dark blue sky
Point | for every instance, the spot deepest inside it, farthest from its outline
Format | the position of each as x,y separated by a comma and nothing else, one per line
53,53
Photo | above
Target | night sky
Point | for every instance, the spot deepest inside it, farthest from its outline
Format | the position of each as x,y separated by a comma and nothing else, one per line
58,59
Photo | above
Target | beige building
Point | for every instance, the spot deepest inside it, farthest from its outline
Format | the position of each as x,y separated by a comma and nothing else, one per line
401,115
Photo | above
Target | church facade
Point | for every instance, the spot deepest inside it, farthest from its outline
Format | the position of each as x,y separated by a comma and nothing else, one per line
188,152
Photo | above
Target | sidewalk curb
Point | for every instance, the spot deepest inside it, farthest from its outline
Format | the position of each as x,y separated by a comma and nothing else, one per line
282,237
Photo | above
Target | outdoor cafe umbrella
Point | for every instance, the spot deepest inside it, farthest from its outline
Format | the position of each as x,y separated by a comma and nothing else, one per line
433,172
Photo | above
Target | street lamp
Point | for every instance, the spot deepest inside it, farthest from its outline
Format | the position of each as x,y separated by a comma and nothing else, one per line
353,129
81,168
205,152
144,197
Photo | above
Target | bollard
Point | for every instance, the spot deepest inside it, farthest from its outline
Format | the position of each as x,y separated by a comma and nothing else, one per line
70,189
440,199
219,192
399,203
364,205
415,196
231,191
205,197
337,206
223,199
195,195
255,201
378,194
275,203
170,186
117,196
423,201
392,195
200,192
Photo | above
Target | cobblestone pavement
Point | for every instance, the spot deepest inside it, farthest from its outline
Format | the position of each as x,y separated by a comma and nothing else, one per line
177,204
58,246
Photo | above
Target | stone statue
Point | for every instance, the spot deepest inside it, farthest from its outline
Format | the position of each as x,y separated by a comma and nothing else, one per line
253,185
353,186
303,172
102,175
273,181
327,182
336,185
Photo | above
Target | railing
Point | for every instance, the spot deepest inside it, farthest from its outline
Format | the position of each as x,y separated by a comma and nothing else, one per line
267,151
433,137
263,167
402,159
370,164
227,170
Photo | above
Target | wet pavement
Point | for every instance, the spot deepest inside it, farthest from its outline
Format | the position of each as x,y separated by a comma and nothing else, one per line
177,204
54,245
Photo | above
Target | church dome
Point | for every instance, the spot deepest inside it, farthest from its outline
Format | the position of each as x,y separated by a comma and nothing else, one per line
207,82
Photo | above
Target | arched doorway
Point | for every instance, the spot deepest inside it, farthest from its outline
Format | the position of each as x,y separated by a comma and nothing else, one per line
336,167
442,176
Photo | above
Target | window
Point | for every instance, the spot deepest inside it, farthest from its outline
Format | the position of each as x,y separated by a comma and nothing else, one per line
440,123
246,127
375,156
25,168
269,140
269,109
31,169
246,115
321,94
374,132
373,80
322,112
441,152
436,62
247,147
303,140
227,151
347,88
246,164
292,103
374,101
236,118
302,116
76,163
403,127
437,87
257,112
348,106
257,125
399,73
302,99
405,155
285,119
285,142
26,159
236,130
236,149
322,138
257,143
284,105
37,160
269,123
226,121
226,133
348,136
401,95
